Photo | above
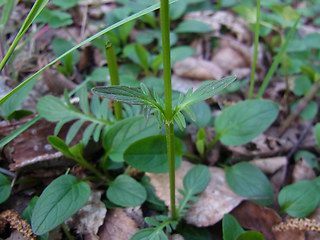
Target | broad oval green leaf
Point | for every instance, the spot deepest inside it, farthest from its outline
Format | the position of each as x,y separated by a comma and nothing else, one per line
59,201
123,133
150,154
126,192
5,188
196,180
230,227
299,199
249,181
240,123
251,235
193,26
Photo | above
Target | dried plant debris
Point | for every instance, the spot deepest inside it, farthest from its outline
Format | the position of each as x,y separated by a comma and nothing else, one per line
90,217
270,165
198,69
215,201
17,223
118,226
262,219
302,171
219,19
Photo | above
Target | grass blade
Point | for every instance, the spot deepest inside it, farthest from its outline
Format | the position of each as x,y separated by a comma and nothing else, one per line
277,59
34,12
125,20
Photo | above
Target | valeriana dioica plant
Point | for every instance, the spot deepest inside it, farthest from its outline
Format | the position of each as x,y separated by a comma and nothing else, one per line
163,110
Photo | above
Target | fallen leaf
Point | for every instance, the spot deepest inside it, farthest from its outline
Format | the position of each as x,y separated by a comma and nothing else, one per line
262,146
217,20
270,165
302,171
197,69
258,218
118,226
215,201
227,58
90,217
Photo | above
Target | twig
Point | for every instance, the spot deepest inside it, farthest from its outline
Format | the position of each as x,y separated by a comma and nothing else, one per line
302,104
293,151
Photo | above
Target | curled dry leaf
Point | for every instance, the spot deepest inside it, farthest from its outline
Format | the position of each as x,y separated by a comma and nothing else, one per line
262,145
302,171
228,58
90,217
198,69
262,219
270,165
219,19
176,237
118,226
215,201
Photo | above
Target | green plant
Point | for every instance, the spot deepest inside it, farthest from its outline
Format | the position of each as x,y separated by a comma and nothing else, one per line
233,231
129,138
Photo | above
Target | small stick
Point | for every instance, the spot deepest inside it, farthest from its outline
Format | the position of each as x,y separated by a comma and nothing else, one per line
293,151
302,104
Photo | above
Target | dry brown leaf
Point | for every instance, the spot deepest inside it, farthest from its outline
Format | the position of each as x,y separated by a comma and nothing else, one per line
262,145
215,201
118,226
262,219
314,235
176,237
228,59
302,171
270,165
219,19
198,69
90,217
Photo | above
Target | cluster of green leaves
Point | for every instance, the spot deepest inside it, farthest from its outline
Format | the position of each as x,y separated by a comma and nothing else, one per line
151,101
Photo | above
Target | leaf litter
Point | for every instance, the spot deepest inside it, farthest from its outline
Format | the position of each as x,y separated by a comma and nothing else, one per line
215,201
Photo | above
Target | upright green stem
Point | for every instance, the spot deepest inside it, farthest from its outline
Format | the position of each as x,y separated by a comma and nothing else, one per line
165,33
114,76
256,43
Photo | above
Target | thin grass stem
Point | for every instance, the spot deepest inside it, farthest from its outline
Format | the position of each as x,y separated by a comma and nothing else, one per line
165,34
114,76
255,54
277,59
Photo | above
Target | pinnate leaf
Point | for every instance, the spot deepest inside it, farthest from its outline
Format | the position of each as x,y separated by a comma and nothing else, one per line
60,200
